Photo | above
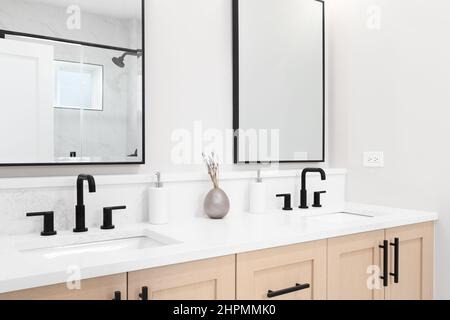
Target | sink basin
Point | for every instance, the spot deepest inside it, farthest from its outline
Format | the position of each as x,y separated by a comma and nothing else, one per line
99,246
342,217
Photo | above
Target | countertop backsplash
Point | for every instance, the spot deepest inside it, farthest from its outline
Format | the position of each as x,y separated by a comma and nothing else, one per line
187,191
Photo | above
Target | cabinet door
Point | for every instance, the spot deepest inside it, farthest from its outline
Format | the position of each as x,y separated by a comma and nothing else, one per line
103,288
212,279
415,262
295,272
354,267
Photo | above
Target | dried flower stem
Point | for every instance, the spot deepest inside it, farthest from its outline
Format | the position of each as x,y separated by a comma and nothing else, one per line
212,164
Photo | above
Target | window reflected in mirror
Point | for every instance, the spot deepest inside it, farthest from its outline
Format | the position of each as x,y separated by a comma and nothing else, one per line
78,86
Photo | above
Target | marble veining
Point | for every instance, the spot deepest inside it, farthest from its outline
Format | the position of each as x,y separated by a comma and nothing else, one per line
186,198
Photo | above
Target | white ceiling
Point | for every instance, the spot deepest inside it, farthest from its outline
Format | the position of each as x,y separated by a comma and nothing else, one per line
112,8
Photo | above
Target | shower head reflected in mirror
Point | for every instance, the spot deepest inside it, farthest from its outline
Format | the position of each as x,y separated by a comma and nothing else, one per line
120,61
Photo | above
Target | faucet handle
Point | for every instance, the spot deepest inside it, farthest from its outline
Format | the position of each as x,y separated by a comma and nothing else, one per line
317,195
107,217
287,201
49,229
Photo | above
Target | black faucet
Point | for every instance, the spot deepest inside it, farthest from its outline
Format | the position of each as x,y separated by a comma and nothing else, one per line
80,212
303,192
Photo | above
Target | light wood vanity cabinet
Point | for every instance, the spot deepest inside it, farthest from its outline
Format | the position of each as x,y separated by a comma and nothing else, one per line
348,267
212,279
103,288
356,262
295,272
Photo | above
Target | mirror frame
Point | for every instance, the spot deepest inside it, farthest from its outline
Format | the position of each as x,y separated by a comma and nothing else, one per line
236,88
4,32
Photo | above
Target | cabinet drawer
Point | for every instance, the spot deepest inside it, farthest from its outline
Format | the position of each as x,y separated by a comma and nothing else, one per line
295,272
102,288
212,279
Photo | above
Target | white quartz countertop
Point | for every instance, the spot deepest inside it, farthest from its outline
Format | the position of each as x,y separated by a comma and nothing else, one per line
187,240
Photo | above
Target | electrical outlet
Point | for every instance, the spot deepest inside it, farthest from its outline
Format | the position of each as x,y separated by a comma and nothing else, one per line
373,159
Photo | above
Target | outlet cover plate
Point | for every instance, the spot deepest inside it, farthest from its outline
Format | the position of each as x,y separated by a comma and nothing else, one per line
374,159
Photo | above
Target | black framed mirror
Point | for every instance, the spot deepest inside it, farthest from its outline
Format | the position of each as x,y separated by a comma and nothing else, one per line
279,81
72,78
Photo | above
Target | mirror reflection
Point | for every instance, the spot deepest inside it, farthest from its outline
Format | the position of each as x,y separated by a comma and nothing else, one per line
279,80
72,81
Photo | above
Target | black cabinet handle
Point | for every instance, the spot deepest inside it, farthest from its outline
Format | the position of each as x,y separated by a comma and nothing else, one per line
396,273
144,294
117,296
298,287
385,276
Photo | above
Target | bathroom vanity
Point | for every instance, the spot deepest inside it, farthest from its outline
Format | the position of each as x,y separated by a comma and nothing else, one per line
359,252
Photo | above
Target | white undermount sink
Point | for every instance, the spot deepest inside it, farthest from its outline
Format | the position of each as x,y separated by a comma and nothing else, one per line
342,217
335,217
125,243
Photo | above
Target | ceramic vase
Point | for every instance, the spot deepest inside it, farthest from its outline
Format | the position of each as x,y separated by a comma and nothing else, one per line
217,204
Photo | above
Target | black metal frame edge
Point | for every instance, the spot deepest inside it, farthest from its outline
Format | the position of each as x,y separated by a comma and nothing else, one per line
88,44
143,81
56,39
235,23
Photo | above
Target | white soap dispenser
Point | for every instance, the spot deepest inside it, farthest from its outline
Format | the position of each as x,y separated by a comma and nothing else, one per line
258,195
158,202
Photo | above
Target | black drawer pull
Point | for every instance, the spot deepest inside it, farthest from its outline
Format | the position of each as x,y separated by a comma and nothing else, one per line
396,272
117,296
298,287
385,276
144,294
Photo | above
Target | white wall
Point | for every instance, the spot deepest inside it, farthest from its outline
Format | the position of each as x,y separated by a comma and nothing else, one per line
389,91
189,71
